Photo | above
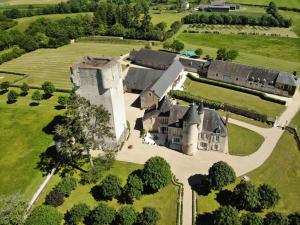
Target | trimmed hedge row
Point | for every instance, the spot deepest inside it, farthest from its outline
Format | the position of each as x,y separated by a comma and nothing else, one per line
237,88
188,97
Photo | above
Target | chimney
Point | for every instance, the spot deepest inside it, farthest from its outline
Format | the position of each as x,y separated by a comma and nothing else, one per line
226,120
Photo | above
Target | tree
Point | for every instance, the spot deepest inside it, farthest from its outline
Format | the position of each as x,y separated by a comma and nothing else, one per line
102,215
221,53
226,215
167,45
133,188
177,46
4,86
12,209
294,218
232,55
161,26
36,96
12,96
55,198
199,52
117,30
156,173
76,214
220,174
246,196
149,216
44,215
48,88
127,216
62,100
66,185
268,196
275,218
110,187
24,88
251,219
272,8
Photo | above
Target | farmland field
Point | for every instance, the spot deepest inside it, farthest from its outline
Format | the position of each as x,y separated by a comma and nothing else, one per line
167,17
54,64
289,3
25,2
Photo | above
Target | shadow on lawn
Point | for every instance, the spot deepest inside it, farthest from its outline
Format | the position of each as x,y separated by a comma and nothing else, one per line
204,219
48,160
49,129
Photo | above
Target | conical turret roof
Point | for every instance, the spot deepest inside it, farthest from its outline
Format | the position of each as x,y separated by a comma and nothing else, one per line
191,116
201,107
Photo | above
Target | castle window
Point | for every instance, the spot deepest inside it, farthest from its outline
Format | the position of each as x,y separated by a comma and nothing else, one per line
149,93
236,78
217,139
215,147
217,74
203,145
176,140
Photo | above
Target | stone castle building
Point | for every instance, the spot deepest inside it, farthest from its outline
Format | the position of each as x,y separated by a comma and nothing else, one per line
99,80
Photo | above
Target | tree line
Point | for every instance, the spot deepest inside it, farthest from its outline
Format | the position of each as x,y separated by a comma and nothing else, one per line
271,19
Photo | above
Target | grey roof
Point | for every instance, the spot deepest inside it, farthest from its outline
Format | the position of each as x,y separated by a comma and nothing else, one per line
243,71
192,116
152,57
141,78
212,122
192,63
163,109
95,62
167,79
286,79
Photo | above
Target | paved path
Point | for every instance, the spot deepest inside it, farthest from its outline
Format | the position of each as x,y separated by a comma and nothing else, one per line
185,166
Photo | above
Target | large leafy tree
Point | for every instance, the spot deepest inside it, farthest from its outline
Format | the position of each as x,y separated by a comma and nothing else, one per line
44,215
12,209
251,219
133,188
48,88
226,215
77,214
102,215
127,216
220,174
156,173
85,128
268,196
149,216
294,218
275,218
110,187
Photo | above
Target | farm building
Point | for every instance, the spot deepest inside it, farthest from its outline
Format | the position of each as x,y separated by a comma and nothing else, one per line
218,6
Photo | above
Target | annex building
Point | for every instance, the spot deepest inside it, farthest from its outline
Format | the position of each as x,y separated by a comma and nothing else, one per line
218,6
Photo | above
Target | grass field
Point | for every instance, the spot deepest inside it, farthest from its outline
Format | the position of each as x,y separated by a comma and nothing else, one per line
233,97
54,64
295,16
289,3
282,170
27,2
164,201
253,50
23,23
22,139
167,17
242,141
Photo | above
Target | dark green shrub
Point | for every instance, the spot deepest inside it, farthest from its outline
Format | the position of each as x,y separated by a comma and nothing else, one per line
12,96
62,100
268,196
251,219
149,216
44,215
24,88
294,218
4,86
127,216
66,185
55,198
102,215
36,96
91,176
77,214
110,187
226,215
48,88
133,188
220,174
275,218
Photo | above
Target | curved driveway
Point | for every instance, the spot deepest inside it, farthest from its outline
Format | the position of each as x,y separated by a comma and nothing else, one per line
184,166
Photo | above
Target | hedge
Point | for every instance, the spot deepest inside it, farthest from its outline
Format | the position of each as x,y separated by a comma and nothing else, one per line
237,88
188,97
179,215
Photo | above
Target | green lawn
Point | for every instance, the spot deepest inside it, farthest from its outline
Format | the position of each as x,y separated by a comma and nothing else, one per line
242,141
54,64
167,17
282,170
164,201
23,23
295,16
233,97
289,3
253,50
24,2
22,139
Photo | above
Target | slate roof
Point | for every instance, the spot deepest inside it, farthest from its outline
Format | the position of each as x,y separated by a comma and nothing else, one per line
243,72
286,79
212,122
192,63
153,57
192,116
167,79
141,78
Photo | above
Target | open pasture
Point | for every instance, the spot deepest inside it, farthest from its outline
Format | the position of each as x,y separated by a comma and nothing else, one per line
289,3
54,64
29,2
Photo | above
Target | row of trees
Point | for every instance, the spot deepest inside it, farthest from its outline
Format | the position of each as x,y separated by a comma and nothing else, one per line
224,54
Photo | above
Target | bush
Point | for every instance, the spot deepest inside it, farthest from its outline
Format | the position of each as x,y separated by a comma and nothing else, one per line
110,187
4,86
268,196
220,174
12,96
36,96
66,185
127,216
251,219
24,88
226,215
91,177
149,216
156,173
102,215
54,198
133,188
275,218
77,214
62,100
44,215
48,88
294,219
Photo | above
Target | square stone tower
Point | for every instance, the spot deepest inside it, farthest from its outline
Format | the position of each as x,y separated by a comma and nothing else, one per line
99,80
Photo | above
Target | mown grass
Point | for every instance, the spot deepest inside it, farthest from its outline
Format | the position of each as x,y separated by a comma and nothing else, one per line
29,2
289,3
253,50
54,64
164,201
167,17
22,139
234,98
242,141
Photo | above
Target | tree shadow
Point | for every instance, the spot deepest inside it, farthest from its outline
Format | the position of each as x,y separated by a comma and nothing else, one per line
59,107
23,94
3,92
50,127
225,197
204,219
46,96
11,102
199,183
48,160
34,104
